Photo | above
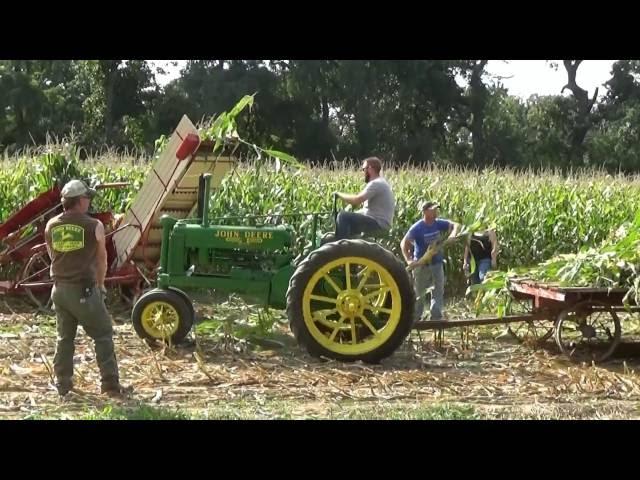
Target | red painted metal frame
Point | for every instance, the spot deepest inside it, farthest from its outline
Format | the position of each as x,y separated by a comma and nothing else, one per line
558,297
35,214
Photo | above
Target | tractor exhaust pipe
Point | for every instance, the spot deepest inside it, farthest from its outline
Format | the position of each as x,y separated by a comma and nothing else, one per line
203,201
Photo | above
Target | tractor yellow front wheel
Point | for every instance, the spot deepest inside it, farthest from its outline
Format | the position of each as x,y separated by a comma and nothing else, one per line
350,300
162,315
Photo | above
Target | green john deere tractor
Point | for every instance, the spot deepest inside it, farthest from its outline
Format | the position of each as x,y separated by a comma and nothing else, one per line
346,300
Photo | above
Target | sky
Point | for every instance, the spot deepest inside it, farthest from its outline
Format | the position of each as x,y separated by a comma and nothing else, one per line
537,77
527,77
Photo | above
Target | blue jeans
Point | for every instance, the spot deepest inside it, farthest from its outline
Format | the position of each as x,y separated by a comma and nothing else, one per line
350,224
482,267
426,276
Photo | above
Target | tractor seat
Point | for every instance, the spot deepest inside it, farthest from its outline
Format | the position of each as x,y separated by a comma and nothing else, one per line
374,235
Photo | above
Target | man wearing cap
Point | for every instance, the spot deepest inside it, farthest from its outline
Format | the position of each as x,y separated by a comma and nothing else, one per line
415,244
76,246
379,204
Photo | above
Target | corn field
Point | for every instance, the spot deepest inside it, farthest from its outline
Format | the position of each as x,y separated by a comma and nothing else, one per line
536,214
24,177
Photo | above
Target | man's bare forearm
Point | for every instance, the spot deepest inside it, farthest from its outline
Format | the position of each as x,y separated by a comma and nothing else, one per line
407,250
350,199
101,255
101,270
455,230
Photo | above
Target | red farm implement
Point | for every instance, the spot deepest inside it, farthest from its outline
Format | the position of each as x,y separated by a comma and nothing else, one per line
133,239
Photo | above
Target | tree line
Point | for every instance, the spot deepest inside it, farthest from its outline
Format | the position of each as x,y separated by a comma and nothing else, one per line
406,111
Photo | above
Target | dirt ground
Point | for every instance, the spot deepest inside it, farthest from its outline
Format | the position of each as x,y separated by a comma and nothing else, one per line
221,376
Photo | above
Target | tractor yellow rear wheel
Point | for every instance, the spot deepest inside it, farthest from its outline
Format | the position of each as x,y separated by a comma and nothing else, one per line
351,300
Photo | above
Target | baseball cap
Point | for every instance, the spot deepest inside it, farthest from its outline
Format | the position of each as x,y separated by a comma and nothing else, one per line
429,206
77,188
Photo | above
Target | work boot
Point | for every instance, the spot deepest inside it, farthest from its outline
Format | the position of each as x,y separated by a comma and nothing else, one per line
115,389
64,387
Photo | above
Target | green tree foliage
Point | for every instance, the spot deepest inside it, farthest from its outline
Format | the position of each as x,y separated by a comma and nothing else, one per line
407,111
615,144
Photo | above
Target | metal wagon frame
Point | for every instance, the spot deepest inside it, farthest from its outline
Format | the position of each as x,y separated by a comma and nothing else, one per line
583,321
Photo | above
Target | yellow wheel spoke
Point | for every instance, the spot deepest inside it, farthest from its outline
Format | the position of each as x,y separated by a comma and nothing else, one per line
336,329
364,278
379,309
320,298
362,272
381,300
325,313
368,324
331,324
368,296
330,281
347,271
320,316
353,331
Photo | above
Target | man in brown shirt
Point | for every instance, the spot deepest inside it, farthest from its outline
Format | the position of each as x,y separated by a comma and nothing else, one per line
76,246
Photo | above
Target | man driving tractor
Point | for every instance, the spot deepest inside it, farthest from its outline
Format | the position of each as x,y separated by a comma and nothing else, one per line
379,204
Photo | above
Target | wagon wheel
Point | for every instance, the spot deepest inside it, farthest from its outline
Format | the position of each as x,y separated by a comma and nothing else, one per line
534,332
588,331
35,271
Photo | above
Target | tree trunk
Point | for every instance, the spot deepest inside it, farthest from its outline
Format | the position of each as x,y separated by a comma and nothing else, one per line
109,72
584,120
21,127
478,100
325,111
364,131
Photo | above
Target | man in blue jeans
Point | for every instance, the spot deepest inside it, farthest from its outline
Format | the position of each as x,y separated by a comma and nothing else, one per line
379,204
414,245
